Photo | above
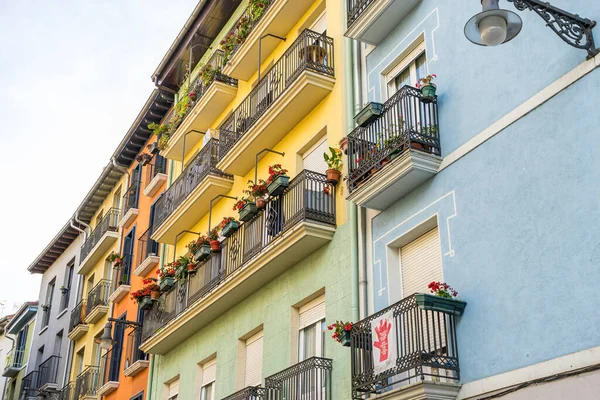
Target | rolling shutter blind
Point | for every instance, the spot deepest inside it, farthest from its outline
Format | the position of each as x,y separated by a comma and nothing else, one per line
421,263
173,389
253,367
312,313
313,160
209,372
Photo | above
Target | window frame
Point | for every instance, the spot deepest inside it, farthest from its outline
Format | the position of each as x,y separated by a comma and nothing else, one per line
407,61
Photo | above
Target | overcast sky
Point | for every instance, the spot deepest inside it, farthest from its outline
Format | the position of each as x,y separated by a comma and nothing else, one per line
74,75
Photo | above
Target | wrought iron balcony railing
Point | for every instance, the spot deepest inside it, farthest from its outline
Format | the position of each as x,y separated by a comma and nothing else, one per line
30,384
122,274
203,164
425,342
132,348
67,392
311,51
131,196
110,222
14,358
48,372
158,165
304,200
356,8
77,315
244,26
405,123
87,382
249,393
310,379
146,246
109,365
98,296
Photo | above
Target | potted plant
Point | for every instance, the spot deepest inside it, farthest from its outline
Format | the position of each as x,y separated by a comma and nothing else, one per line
343,143
278,180
443,299
192,95
341,332
427,131
334,163
153,287
116,259
143,158
246,208
370,112
427,88
257,8
200,248
229,226
153,147
166,277
64,289
142,297
258,191
163,140
213,237
207,74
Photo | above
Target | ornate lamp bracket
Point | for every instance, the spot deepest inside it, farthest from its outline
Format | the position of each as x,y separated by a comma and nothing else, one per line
571,28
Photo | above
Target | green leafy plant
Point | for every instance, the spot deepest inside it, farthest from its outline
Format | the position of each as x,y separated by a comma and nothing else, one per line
333,160
213,234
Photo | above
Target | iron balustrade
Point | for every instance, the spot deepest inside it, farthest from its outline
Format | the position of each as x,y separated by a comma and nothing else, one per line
87,382
244,26
304,200
131,196
133,353
77,315
406,123
48,372
309,379
109,365
199,168
30,384
122,274
98,296
311,51
158,165
67,392
146,246
14,358
425,342
356,8
249,393
110,222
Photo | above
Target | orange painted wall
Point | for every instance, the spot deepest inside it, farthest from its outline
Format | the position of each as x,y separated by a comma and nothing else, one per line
130,386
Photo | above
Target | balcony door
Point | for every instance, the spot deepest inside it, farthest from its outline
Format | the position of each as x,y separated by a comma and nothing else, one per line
311,343
117,349
128,247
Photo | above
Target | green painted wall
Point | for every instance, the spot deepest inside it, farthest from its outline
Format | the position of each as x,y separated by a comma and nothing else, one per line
26,359
328,268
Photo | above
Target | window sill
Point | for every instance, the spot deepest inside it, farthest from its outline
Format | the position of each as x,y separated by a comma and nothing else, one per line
63,312
44,329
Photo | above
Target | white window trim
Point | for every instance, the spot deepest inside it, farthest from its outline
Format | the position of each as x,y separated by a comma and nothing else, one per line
406,58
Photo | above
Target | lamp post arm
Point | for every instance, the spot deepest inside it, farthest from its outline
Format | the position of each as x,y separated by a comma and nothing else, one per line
132,324
571,28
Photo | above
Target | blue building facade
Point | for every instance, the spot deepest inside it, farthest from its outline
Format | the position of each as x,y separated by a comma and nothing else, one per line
510,201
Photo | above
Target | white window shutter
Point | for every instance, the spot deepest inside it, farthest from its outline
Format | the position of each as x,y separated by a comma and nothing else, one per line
311,314
174,388
253,362
313,160
421,263
209,372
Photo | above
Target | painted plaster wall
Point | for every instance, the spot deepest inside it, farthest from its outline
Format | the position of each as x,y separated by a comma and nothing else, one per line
59,319
328,268
27,359
517,219
5,346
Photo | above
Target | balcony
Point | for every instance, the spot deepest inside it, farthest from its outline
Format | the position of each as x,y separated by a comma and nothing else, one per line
249,393
278,18
156,175
186,201
310,379
30,385
396,153
14,362
86,384
109,373
213,96
135,359
426,364
297,223
77,326
130,204
147,254
46,309
48,373
371,21
97,302
100,241
67,392
122,278
291,89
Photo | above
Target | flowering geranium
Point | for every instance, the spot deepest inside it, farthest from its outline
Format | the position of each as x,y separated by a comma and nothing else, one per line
151,284
138,295
225,221
442,289
425,81
213,234
240,204
257,189
167,271
276,170
338,327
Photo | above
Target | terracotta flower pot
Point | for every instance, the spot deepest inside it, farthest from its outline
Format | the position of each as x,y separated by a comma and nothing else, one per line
344,145
215,246
155,294
261,203
191,267
333,176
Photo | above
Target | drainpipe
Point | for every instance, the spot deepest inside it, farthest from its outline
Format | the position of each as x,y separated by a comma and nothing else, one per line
87,227
150,378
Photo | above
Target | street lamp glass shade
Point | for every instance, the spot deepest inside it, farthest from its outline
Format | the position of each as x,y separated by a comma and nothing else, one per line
106,340
493,27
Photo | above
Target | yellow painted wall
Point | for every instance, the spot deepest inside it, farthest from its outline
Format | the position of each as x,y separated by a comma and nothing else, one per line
329,114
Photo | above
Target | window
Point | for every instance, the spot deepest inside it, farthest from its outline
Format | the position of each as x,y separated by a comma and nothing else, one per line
313,160
79,360
66,292
48,306
312,329
58,343
253,360
209,372
421,263
412,68
173,390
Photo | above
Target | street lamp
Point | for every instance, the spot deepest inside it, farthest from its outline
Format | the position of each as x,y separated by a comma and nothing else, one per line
106,341
494,26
